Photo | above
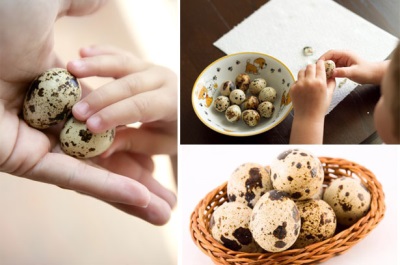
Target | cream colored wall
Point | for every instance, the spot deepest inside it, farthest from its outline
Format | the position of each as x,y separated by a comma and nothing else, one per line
43,224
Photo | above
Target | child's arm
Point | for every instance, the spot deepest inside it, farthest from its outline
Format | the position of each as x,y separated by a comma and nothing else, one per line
311,95
350,65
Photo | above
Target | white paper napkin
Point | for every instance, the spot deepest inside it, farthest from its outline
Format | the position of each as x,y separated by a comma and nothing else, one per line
282,28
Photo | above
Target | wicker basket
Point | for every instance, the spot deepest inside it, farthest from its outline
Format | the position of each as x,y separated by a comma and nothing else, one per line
312,254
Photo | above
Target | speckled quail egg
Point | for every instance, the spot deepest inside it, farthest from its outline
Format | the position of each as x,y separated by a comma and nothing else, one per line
250,103
318,222
221,103
227,87
298,173
242,82
50,98
267,94
251,117
77,141
266,109
257,85
248,183
229,225
275,221
237,96
349,198
233,113
329,66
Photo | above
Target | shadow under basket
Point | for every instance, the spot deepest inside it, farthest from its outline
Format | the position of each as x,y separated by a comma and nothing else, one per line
315,253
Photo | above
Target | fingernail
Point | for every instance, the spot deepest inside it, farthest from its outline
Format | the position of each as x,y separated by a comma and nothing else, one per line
78,64
94,122
82,108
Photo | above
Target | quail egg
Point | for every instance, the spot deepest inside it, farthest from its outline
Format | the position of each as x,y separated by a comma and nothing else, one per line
221,103
275,221
242,82
227,87
251,117
349,198
229,225
267,94
257,85
318,222
50,98
233,113
250,103
248,183
77,141
266,109
298,173
329,66
237,96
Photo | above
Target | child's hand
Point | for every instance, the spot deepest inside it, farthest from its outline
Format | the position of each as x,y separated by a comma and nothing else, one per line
311,95
142,92
350,65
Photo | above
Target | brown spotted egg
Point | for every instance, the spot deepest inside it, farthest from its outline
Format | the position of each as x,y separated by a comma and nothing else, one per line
298,173
221,103
242,82
349,198
233,113
77,141
227,87
318,222
266,109
229,225
251,117
275,221
329,67
237,96
250,103
248,183
50,98
257,85
267,94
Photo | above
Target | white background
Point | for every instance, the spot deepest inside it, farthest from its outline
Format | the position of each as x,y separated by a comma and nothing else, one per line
203,168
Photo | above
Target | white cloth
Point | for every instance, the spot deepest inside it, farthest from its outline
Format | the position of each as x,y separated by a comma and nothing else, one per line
282,28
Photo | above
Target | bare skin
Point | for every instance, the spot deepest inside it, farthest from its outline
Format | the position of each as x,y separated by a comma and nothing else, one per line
123,176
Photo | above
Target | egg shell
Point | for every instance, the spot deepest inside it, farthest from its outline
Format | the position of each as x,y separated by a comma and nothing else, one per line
221,103
349,198
251,117
242,82
250,103
267,94
329,66
248,183
266,109
275,221
257,85
77,141
318,222
233,113
229,225
50,98
227,87
298,173
237,96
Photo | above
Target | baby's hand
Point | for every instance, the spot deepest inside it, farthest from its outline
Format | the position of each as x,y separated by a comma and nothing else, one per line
311,95
141,92
352,66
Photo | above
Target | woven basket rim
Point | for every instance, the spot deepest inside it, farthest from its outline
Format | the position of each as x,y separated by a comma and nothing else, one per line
314,253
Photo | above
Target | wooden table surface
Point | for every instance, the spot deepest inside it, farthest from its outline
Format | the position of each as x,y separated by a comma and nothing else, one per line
205,21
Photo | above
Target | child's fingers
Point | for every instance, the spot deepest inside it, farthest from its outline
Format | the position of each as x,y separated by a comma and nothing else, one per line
320,70
310,71
301,74
149,142
106,66
144,107
118,90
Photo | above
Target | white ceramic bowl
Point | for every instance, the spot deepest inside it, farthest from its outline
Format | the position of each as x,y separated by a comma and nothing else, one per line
256,65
